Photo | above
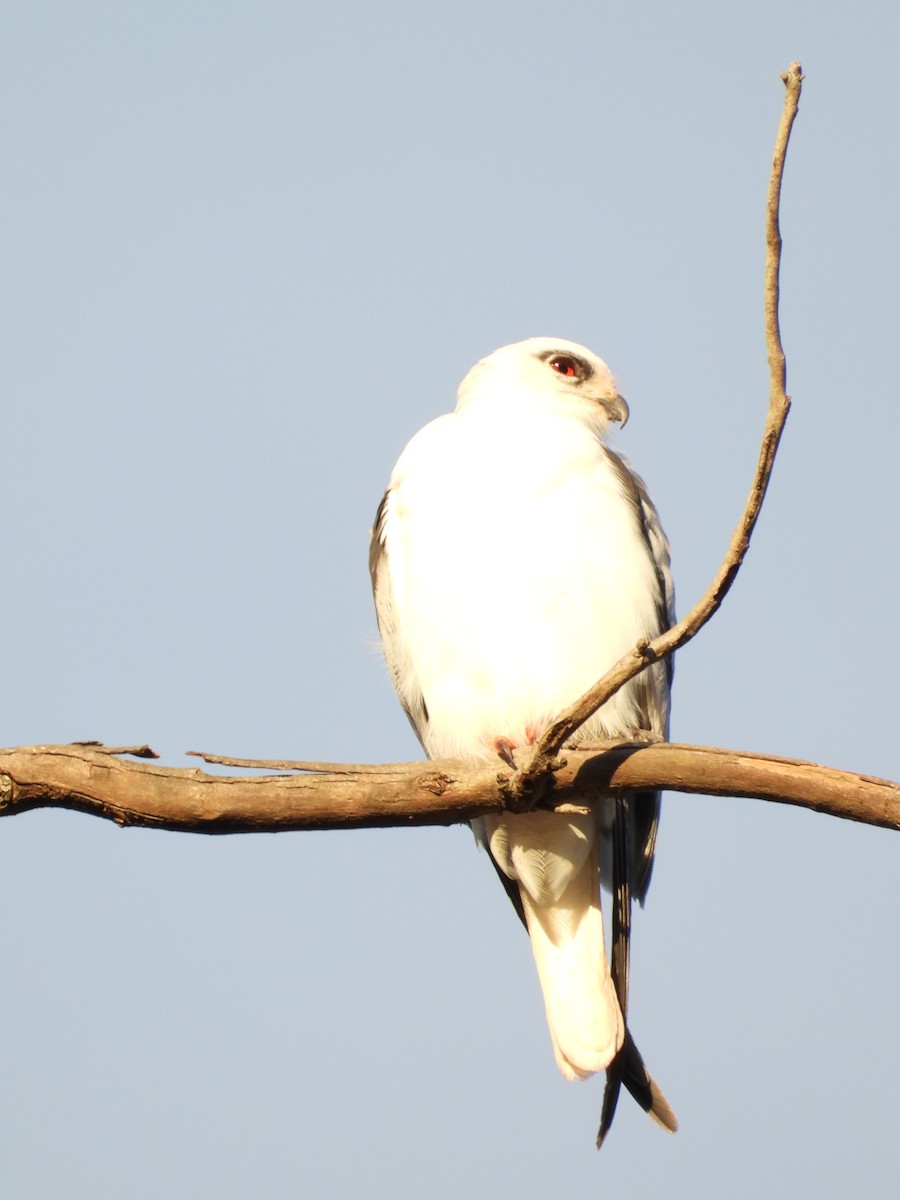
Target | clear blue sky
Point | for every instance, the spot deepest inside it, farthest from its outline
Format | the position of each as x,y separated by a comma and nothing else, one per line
248,250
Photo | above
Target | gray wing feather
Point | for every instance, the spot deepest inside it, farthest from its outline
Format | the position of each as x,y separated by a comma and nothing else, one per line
662,560
656,680
386,615
635,826
628,1066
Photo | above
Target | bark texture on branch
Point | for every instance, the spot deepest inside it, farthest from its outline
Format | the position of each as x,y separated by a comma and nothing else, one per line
188,800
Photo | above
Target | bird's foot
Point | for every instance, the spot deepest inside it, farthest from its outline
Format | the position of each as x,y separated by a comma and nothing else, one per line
506,750
531,786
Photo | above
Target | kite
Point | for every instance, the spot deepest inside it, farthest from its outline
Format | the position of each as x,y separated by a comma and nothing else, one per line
515,558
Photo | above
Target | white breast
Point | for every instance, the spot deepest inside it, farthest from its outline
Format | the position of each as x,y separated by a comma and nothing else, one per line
519,574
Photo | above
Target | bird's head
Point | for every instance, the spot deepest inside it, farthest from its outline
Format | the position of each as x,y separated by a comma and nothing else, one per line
548,370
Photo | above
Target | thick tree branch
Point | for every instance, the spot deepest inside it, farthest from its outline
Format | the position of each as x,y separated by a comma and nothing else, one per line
522,786
90,780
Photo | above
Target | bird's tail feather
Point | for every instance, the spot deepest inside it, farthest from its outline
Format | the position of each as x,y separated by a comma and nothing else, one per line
567,941
628,1066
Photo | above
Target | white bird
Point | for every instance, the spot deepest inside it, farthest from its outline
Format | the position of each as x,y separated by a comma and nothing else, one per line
515,558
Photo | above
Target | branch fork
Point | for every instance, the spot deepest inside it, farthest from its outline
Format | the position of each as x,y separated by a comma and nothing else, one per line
538,765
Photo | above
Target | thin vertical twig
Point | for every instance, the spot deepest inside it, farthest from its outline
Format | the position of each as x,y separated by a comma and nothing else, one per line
521,787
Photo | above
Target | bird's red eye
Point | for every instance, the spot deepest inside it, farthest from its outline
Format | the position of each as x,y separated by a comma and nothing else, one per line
564,365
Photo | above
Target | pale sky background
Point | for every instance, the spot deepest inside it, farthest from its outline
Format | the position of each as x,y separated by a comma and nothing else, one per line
248,250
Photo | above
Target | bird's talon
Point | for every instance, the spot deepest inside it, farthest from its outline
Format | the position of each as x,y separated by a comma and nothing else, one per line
505,748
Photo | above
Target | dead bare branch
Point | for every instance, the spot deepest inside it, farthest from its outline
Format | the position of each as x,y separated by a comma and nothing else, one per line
90,780
538,761
143,751
286,764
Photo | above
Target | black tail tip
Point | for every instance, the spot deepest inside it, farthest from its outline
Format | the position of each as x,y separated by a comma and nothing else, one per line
628,1068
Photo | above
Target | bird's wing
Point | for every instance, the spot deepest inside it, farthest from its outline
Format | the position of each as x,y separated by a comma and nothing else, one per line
635,825
628,1066
635,491
654,693
388,626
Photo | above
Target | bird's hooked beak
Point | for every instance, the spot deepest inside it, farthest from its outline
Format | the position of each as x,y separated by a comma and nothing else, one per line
617,407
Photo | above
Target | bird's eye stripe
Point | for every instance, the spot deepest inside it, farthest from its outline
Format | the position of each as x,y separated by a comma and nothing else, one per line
569,366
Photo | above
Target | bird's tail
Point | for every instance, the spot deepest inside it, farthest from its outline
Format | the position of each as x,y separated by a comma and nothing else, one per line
583,1013
550,869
